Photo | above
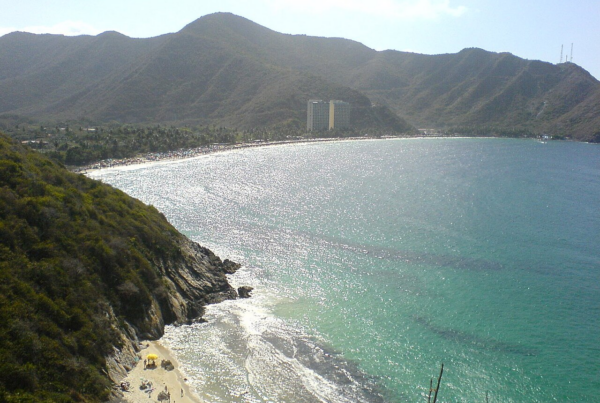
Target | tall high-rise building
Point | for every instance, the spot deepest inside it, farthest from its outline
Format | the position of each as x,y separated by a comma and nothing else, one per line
321,115
339,114
317,116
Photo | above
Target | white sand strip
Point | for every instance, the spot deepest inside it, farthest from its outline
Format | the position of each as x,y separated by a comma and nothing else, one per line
173,380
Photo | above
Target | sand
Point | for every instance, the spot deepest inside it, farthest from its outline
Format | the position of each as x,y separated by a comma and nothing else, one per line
149,158
160,378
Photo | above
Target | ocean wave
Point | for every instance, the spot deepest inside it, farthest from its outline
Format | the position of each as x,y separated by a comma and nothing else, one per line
245,353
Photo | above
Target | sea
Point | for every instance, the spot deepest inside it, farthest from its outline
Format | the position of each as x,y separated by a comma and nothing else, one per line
375,262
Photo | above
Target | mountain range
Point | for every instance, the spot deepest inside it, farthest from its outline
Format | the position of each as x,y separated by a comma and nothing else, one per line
225,70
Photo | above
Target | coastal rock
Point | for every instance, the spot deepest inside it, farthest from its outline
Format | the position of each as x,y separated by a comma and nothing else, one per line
230,267
196,278
123,358
244,291
192,278
167,365
97,271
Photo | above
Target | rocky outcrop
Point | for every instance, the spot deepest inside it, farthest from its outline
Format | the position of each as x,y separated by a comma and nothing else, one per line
244,291
191,280
123,359
195,279
87,272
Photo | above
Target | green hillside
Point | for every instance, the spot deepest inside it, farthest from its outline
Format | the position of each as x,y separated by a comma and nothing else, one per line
476,87
226,70
82,264
200,75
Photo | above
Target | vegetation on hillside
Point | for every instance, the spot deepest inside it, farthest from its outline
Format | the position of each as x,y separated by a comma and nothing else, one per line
226,71
73,254
194,77
73,144
498,131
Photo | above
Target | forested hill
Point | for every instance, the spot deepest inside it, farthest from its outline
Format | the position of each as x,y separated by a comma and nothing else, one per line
226,70
84,271
190,77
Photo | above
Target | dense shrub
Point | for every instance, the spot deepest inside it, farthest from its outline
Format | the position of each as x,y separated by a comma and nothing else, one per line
70,249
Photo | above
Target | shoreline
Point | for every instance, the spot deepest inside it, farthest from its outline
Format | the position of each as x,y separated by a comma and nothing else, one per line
187,153
173,382
183,154
143,353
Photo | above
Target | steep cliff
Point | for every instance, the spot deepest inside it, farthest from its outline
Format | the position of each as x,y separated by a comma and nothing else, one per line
193,282
85,273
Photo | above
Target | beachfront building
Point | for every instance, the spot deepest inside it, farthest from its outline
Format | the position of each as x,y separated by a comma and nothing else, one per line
321,115
339,114
317,116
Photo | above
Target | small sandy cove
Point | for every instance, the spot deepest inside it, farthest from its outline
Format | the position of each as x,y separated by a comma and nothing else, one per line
160,378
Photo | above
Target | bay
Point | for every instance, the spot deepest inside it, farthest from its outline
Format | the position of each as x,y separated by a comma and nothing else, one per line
375,261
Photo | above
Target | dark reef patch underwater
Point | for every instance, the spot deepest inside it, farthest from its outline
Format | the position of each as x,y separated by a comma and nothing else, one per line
382,259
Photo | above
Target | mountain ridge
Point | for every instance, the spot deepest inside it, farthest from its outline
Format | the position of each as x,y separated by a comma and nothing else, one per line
227,70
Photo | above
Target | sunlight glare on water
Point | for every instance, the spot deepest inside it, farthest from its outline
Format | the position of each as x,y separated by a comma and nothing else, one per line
375,261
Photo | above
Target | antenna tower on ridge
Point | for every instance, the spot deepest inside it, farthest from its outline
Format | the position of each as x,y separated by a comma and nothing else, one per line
561,53
571,53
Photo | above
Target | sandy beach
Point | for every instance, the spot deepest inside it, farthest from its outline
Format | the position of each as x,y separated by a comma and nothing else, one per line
199,151
172,381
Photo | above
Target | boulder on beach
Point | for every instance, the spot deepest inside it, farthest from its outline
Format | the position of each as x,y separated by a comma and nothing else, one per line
244,291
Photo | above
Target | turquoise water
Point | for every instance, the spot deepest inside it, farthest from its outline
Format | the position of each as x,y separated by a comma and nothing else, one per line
375,261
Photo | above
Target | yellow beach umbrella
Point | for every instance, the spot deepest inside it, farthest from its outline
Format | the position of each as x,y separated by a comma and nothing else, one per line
152,357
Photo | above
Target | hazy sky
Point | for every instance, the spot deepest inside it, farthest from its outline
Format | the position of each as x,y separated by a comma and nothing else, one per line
531,29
